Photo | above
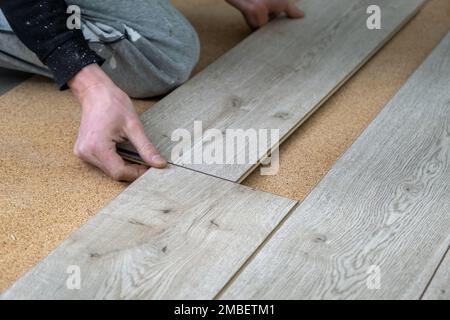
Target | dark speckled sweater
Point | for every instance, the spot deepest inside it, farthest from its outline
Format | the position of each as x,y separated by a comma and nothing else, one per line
42,26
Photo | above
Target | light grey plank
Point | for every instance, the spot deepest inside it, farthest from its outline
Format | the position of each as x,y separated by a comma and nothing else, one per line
439,288
277,77
10,79
385,204
173,234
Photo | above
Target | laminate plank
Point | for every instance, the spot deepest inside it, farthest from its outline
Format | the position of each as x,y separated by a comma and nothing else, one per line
439,288
380,216
274,79
173,234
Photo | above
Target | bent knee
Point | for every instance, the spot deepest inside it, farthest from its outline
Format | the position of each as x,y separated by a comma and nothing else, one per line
150,47
145,68
181,56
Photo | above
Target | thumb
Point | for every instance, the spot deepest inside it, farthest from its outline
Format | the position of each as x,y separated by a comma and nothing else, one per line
292,11
145,148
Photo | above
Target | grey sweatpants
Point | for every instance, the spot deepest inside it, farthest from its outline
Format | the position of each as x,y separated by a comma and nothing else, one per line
149,47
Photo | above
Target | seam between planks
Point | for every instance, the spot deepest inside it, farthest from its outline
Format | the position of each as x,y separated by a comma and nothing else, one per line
134,157
183,167
275,230
186,173
434,273
338,86
437,259
256,252
289,214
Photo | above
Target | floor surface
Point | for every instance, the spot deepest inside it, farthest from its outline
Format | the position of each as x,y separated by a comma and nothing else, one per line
46,192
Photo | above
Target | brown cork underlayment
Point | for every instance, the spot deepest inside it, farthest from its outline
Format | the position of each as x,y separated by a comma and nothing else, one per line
46,193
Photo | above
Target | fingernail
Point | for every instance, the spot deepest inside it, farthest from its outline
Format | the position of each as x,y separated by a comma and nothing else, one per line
159,158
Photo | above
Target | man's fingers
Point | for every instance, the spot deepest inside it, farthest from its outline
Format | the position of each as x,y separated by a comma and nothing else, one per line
252,22
262,17
144,147
274,15
128,172
114,166
257,19
292,11
256,14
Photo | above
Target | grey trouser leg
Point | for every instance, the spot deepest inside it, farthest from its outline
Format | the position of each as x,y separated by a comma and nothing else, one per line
149,47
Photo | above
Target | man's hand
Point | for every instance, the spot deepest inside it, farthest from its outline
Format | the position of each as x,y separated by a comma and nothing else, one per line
108,117
259,12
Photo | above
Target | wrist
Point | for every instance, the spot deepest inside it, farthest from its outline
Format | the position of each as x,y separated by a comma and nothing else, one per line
89,77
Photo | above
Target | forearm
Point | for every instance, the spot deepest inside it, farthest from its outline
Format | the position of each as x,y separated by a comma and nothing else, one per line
42,27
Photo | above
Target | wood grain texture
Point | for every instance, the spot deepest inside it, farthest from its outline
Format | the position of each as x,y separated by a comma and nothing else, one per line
173,234
276,78
439,288
386,203
276,86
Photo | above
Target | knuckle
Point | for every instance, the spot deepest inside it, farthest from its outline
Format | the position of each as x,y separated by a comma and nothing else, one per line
83,150
256,7
77,151
116,175
134,125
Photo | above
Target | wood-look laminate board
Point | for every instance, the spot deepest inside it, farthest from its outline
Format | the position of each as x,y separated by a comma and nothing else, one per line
274,79
10,79
173,234
383,209
439,288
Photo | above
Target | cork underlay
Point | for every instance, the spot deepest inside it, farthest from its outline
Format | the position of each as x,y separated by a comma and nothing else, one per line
46,193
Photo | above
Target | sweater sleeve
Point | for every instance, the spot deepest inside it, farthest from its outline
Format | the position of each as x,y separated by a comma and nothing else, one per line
42,26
